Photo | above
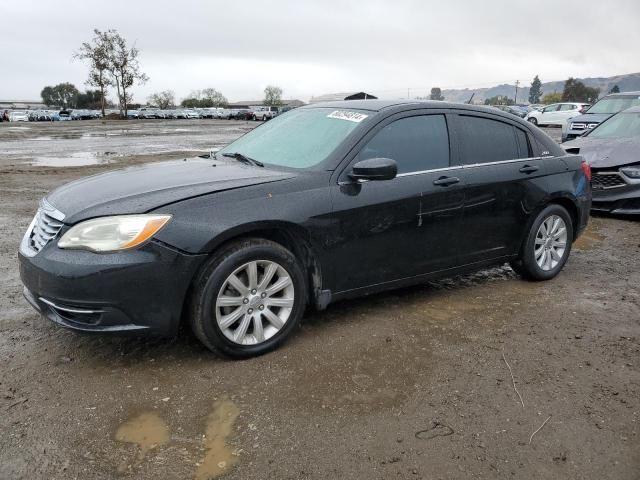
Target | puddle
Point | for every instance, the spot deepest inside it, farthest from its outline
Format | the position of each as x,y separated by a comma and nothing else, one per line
219,457
147,430
590,239
77,159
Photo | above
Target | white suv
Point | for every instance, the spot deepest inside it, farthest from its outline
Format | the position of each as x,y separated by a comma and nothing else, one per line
556,113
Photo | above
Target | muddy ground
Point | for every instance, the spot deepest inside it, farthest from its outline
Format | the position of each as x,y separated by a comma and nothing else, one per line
408,384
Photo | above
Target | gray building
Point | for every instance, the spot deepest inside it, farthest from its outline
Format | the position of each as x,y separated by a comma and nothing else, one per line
257,103
336,97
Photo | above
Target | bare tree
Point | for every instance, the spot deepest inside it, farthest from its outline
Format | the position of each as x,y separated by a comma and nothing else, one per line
163,100
272,95
97,52
213,97
124,67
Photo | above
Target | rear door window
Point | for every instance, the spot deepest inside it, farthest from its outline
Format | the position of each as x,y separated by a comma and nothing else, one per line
483,140
415,143
567,106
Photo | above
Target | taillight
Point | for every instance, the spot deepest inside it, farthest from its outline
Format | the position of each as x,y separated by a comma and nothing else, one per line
586,169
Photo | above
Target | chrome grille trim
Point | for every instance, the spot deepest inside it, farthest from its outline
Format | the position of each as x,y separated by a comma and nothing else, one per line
607,180
44,227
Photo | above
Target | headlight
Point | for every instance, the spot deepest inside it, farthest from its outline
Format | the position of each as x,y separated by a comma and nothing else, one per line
631,172
110,234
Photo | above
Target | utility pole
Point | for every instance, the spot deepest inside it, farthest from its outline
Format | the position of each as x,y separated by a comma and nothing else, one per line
408,94
515,99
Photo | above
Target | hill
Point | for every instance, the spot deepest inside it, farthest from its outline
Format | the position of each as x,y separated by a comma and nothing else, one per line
628,82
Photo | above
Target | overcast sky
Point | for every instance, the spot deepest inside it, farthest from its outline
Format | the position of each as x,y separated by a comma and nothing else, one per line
315,47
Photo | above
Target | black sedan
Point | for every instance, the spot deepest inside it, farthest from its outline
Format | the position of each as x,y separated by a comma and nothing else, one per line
611,149
323,203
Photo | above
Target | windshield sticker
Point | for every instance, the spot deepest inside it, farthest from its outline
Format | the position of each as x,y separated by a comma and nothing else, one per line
350,116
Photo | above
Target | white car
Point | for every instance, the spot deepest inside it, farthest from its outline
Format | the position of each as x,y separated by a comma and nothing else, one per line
18,117
191,114
556,113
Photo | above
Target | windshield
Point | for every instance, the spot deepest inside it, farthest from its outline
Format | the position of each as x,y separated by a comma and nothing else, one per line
613,105
301,138
621,125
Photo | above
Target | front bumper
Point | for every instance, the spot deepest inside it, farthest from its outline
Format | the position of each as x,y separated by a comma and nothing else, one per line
140,290
623,200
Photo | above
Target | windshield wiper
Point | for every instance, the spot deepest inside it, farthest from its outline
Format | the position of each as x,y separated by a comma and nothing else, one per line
243,158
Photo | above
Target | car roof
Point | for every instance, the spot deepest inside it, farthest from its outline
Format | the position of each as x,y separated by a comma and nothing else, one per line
380,105
635,94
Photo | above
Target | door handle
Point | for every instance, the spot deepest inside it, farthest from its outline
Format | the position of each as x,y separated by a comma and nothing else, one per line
446,181
529,169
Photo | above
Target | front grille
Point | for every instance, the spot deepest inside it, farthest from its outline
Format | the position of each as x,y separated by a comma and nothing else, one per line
44,228
605,180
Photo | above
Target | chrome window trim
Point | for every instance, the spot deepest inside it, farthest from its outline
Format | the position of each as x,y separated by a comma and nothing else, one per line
471,165
420,172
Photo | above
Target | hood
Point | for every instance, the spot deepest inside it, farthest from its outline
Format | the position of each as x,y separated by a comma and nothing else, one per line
590,118
143,188
607,152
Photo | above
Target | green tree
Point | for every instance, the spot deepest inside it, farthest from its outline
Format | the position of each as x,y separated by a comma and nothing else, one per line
535,92
615,89
92,99
436,94
61,95
499,100
576,91
98,52
163,100
124,67
549,98
48,96
272,95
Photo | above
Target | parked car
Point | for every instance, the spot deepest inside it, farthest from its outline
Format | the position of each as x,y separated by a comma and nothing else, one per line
64,115
244,115
326,202
599,112
18,116
611,149
264,113
191,113
512,109
556,113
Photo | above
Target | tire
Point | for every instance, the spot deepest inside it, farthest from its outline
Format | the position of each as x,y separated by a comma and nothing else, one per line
264,118
537,265
533,120
232,330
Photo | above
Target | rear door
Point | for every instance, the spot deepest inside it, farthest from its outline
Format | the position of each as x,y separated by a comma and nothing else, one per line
502,184
567,111
549,114
406,226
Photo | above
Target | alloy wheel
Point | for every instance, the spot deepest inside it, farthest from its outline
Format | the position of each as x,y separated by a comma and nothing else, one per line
255,302
550,243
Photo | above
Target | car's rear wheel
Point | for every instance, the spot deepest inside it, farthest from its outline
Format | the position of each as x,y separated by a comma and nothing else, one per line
248,298
547,245
533,120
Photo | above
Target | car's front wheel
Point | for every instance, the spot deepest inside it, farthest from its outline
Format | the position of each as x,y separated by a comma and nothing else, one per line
547,245
533,120
248,298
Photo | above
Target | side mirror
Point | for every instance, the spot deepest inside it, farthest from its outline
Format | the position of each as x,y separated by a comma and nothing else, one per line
374,169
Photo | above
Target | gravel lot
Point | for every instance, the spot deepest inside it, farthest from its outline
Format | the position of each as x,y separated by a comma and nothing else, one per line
408,384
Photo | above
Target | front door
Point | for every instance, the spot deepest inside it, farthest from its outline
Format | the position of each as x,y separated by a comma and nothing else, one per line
403,227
